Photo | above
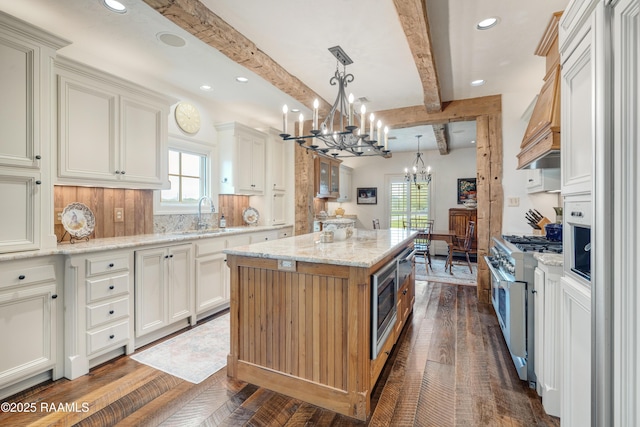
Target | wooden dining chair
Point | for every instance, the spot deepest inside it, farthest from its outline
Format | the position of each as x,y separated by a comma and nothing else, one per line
376,224
422,242
462,245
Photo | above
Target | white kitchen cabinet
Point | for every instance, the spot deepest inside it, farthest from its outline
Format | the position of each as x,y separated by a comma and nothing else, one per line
277,161
264,236
581,56
112,133
548,336
542,180
278,208
576,353
29,330
99,309
346,177
212,275
242,159
164,287
26,53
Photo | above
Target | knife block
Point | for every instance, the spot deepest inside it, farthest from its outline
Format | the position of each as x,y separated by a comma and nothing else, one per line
544,221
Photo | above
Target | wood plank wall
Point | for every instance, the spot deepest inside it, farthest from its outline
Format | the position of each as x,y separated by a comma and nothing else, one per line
304,190
232,206
137,207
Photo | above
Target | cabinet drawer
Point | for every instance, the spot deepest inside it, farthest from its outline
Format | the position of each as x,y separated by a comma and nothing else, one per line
108,287
107,337
27,276
209,247
284,233
107,265
241,240
107,312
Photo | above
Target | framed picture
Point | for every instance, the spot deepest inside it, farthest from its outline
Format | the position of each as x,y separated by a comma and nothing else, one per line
466,189
367,195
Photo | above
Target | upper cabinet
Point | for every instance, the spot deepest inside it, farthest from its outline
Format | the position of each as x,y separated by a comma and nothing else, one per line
242,159
579,105
327,179
541,142
543,180
26,53
112,133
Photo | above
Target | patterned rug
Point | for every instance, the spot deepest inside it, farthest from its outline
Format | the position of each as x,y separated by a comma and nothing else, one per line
461,275
193,355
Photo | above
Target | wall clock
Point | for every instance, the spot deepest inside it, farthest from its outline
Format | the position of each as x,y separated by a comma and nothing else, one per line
188,117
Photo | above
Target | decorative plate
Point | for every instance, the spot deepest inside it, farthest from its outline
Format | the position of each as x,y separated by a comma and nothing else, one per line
250,216
78,220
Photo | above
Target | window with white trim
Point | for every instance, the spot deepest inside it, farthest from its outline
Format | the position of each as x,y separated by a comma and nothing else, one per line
408,201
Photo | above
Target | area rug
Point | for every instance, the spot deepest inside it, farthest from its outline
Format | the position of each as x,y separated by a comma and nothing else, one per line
461,275
193,355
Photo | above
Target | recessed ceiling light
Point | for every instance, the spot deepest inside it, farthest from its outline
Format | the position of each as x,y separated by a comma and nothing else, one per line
295,110
478,82
242,79
206,88
473,141
115,6
171,39
485,24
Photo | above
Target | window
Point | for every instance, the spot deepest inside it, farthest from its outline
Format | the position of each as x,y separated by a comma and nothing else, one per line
188,178
408,201
189,173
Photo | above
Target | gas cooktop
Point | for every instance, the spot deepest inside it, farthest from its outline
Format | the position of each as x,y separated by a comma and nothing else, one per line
534,244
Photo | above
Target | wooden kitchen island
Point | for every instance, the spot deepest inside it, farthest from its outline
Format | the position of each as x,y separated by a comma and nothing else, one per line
301,316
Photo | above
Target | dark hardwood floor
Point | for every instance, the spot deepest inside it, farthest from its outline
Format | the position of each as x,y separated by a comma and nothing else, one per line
450,367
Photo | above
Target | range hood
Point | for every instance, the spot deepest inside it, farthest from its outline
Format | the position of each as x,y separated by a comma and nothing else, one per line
540,148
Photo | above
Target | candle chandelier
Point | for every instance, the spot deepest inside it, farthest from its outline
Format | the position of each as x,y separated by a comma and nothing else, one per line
349,137
418,172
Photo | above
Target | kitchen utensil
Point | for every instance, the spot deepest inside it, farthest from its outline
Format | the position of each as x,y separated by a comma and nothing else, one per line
553,232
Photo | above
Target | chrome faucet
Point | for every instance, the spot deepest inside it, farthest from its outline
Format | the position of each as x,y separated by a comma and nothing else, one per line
202,223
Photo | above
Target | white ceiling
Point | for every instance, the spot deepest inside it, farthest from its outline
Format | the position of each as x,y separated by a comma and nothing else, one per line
297,34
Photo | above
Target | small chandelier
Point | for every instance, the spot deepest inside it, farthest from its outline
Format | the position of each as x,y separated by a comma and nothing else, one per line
349,139
418,172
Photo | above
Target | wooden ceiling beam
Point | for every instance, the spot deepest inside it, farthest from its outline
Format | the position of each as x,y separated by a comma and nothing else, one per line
439,131
415,23
195,18
453,111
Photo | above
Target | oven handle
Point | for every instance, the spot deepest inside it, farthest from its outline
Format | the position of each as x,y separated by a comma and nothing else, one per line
408,258
494,272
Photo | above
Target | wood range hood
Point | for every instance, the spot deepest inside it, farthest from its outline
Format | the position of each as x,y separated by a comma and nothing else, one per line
540,148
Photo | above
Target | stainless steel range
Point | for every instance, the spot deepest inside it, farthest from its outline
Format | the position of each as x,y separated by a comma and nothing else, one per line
512,268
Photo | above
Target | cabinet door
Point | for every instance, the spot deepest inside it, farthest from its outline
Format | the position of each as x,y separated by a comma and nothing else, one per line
18,137
277,163
28,318
212,282
87,126
257,165
539,328
323,180
278,215
577,118
335,180
151,294
180,282
20,225
141,143
244,169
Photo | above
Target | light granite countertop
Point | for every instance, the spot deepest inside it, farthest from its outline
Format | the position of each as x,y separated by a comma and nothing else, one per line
95,245
549,259
364,249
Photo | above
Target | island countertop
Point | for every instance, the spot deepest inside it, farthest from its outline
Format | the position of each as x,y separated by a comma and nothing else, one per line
364,249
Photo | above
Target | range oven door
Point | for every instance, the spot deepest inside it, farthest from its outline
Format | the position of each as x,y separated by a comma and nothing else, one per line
509,299
384,299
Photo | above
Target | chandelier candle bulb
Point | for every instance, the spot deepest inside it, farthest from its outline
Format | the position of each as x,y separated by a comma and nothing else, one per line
371,119
301,124
285,109
316,104
351,99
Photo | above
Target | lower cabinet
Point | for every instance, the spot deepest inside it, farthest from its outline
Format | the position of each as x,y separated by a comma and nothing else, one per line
548,336
406,294
576,353
212,275
29,309
98,310
164,287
